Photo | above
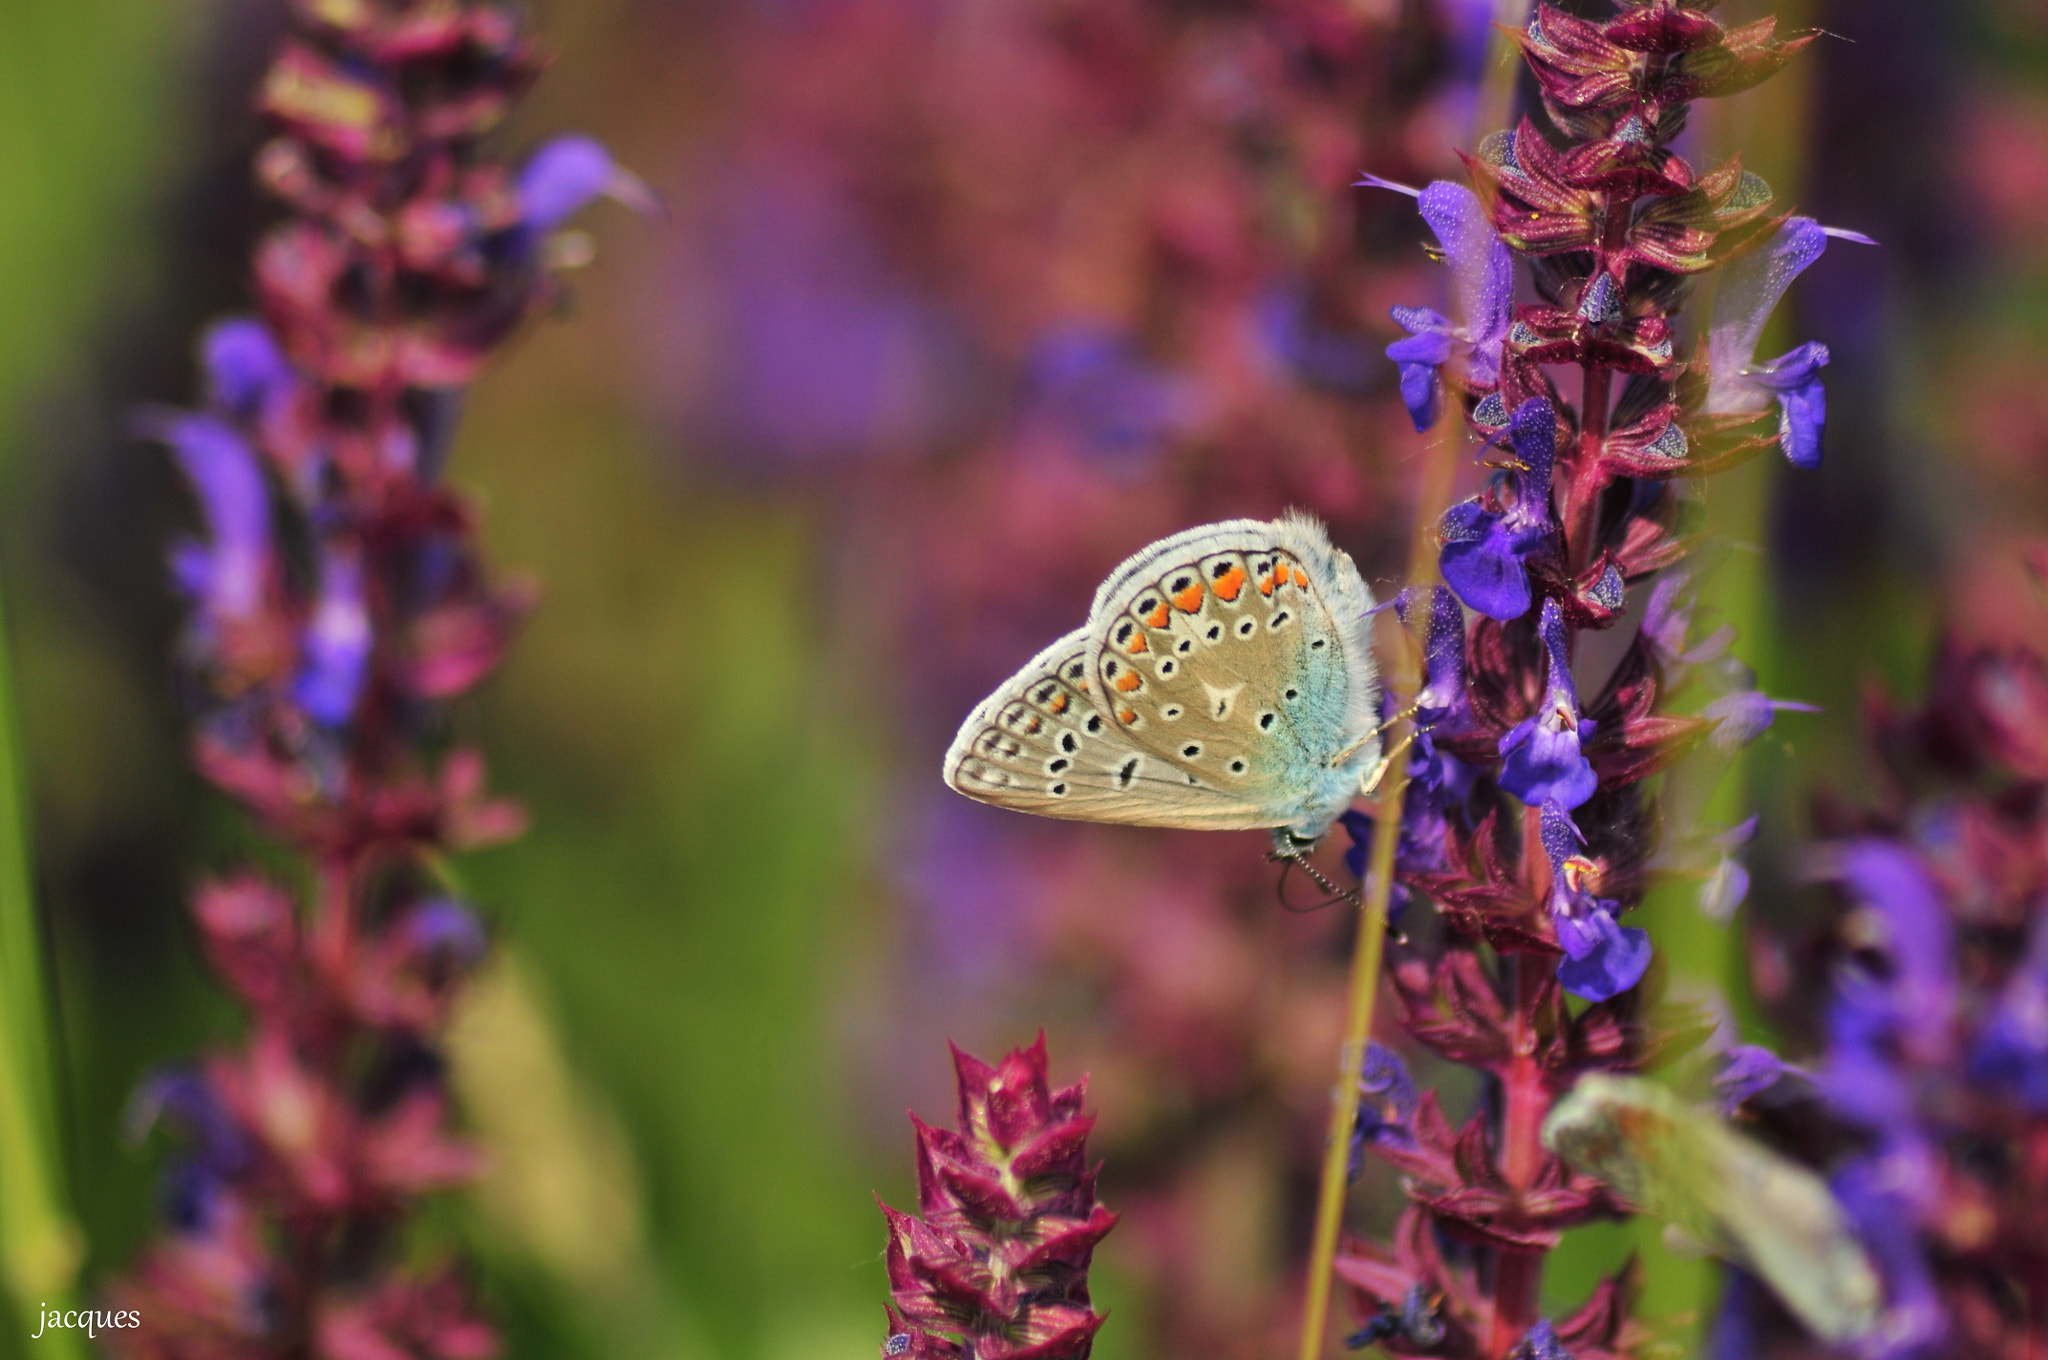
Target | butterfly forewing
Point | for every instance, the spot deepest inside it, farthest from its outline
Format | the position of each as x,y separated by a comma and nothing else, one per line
1230,667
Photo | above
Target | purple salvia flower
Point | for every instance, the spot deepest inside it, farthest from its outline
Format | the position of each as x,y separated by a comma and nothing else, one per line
335,651
1482,286
2012,1048
229,573
1742,716
245,369
1667,625
1749,291
1442,706
1485,553
1540,1344
1543,762
443,927
1386,1104
1727,882
1746,1070
1918,934
1115,407
1602,957
565,175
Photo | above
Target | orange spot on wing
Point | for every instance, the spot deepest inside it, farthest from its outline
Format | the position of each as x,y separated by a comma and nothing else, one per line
1301,578
1266,583
1128,681
1126,715
1059,703
1230,585
1158,617
1189,600
1031,729
1138,644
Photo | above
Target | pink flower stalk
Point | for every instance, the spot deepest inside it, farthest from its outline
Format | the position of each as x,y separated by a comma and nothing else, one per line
338,601
997,1269
1525,819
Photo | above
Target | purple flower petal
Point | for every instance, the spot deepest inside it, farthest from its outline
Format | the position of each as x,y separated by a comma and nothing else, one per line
1482,271
1441,706
2012,1047
1542,758
561,178
1743,716
1420,357
1747,1070
244,366
335,651
1482,560
1615,958
1802,400
1386,1104
1749,291
223,471
445,927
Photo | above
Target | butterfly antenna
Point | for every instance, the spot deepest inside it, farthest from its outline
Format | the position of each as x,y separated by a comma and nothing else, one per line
1371,785
1379,731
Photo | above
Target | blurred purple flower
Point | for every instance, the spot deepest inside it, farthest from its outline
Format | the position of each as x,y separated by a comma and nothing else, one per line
1667,624
1742,716
245,369
566,174
2012,1048
1485,552
1117,408
1541,1343
1319,355
1746,1070
335,649
1543,761
1482,289
228,573
1749,291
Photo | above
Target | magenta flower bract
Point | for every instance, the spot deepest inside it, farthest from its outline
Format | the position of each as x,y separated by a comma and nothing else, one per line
997,1268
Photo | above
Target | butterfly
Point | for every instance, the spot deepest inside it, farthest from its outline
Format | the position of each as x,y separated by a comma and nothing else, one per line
1224,681
1725,1191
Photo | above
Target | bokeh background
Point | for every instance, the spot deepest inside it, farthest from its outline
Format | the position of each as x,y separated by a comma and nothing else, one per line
958,301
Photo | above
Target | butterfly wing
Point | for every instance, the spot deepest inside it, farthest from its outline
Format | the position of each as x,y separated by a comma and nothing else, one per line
1234,658
1041,744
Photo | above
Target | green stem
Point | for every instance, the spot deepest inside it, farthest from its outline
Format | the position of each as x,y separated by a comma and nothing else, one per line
39,1244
